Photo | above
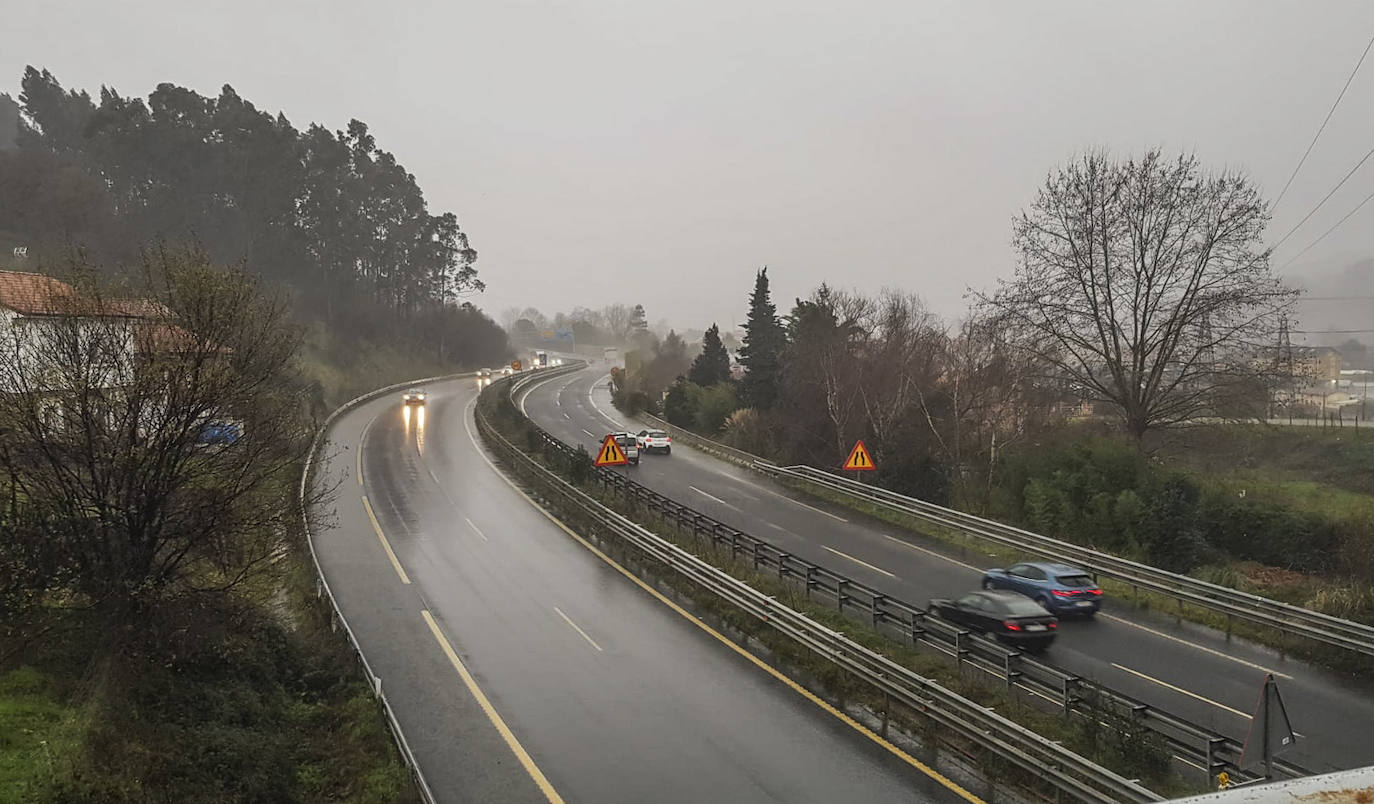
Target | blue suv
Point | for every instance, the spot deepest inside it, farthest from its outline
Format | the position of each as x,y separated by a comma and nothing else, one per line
1061,589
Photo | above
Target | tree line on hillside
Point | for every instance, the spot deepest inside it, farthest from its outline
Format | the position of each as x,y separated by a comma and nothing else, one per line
613,325
327,213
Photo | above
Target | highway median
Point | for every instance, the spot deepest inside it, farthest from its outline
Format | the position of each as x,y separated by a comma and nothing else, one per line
1086,758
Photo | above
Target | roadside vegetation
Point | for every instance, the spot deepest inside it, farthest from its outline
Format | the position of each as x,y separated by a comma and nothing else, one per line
160,635
161,640
1056,406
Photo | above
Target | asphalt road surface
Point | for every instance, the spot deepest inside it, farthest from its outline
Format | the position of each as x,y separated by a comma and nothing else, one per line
1190,671
525,668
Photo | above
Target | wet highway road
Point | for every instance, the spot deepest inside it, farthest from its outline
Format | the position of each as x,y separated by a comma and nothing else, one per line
497,634
1187,670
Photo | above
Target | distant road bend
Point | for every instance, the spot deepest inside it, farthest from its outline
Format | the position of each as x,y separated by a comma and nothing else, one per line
1190,671
523,667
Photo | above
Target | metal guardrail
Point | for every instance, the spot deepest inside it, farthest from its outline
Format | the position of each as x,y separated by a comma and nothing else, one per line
322,585
1287,618
911,623
1038,756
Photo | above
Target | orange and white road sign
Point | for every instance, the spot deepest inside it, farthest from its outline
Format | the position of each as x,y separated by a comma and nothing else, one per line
611,454
859,460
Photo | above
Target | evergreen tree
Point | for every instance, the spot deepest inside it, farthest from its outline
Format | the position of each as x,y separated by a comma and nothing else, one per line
764,340
713,364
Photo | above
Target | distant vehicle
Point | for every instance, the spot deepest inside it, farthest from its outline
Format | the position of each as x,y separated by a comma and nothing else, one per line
541,359
506,371
655,441
220,432
1011,617
629,444
1059,588
484,373
415,396
611,354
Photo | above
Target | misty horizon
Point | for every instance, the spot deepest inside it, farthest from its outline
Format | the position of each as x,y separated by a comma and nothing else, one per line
602,153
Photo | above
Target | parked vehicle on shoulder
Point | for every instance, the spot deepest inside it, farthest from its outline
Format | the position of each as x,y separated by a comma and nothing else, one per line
1058,588
655,441
629,444
415,396
1012,618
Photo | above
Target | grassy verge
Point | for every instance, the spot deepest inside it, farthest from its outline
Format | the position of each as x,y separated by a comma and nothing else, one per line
1111,741
341,376
239,699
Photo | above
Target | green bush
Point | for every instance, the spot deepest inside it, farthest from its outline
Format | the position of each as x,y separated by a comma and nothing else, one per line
1109,495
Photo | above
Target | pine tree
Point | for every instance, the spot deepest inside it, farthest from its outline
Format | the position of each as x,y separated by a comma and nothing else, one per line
713,364
764,340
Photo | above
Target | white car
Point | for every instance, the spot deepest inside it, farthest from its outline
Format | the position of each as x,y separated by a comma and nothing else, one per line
655,441
415,396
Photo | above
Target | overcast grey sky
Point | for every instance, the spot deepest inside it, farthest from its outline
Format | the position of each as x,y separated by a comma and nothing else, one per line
606,150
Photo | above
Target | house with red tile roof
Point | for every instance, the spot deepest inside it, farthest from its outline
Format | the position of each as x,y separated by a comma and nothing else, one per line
42,317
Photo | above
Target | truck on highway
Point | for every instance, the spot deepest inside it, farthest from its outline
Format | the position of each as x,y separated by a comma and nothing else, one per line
541,359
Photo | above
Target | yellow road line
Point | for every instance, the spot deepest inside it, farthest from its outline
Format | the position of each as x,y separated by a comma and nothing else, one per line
1202,648
1182,691
569,621
385,544
521,754
859,562
749,657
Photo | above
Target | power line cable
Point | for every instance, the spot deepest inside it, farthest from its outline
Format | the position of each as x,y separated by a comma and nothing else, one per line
1333,228
1318,135
1325,198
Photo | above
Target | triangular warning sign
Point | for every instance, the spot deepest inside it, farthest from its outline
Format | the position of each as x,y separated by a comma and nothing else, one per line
610,453
859,459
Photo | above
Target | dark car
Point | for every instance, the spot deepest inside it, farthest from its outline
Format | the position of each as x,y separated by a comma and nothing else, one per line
1059,588
1013,618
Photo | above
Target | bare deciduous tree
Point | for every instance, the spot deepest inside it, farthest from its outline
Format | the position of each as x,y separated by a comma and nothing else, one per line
903,357
156,442
1145,284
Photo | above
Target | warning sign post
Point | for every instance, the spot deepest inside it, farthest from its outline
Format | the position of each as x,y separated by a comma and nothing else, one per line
610,453
859,460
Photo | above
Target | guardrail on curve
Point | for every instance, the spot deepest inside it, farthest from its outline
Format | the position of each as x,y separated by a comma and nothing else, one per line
1290,619
1199,745
1038,755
